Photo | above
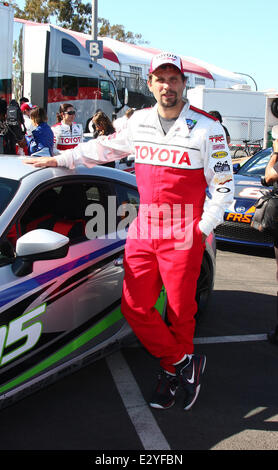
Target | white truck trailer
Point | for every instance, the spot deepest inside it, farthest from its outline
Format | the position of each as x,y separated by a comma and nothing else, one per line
50,67
242,110
6,41
53,68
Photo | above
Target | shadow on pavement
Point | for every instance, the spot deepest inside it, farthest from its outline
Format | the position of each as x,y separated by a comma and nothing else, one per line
245,249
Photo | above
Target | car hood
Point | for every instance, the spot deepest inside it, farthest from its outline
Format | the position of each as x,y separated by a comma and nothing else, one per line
247,191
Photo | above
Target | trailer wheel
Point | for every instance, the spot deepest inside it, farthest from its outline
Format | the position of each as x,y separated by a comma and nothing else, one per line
274,107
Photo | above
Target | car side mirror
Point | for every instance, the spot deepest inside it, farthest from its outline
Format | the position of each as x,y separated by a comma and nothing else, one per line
236,167
38,245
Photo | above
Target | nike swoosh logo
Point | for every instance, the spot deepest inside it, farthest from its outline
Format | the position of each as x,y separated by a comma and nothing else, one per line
191,381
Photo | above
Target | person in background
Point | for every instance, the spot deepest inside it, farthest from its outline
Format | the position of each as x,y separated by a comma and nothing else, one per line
12,138
26,109
90,128
103,126
271,177
121,122
219,117
23,100
42,135
67,133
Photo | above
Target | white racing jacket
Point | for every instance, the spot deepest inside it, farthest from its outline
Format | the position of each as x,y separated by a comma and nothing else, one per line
191,164
66,137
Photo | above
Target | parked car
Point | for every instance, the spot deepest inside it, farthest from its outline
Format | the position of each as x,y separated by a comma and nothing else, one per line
62,239
236,227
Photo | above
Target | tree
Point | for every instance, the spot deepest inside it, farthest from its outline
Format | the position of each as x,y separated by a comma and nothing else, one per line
70,14
34,11
74,15
117,31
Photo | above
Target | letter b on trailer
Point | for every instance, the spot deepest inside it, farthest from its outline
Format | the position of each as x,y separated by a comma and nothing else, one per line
95,49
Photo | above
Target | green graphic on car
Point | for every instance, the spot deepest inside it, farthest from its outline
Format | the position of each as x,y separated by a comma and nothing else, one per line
16,331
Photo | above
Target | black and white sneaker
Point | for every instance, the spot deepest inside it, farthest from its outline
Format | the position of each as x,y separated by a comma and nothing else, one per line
190,372
164,394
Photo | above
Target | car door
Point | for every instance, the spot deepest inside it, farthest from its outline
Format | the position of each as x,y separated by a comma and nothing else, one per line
89,290
96,282
70,305
29,302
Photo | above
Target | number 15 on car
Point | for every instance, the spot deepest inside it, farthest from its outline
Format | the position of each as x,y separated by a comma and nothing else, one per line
16,331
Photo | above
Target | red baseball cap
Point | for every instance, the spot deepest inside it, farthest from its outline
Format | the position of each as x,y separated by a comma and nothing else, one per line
25,106
166,58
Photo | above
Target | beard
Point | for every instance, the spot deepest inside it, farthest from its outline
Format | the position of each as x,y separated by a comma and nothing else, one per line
169,102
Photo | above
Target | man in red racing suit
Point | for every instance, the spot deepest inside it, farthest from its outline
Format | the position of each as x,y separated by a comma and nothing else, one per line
183,167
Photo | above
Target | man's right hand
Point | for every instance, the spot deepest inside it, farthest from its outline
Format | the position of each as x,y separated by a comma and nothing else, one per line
41,161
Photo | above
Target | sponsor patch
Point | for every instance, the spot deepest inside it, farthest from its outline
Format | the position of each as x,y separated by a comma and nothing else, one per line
218,147
244,218
191,123
162,156
70,140
147,126
217,138
219,155
223,190
222,179
221,167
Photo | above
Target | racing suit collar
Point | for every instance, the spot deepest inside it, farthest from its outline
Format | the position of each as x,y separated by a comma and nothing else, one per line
67,126
180,121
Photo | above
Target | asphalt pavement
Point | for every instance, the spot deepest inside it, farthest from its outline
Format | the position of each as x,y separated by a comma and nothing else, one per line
103,407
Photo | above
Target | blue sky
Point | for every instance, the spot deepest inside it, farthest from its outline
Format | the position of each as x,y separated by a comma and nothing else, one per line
239,36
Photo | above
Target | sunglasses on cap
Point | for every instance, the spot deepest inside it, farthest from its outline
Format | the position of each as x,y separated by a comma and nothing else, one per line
70,112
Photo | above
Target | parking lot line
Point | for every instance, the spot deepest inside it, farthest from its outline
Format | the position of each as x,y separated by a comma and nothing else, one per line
230,339
138,410
220,339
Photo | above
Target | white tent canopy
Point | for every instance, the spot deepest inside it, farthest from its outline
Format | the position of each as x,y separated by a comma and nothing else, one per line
125,57
134,55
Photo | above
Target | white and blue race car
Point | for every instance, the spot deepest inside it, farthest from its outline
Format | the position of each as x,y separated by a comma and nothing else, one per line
62,239
236,227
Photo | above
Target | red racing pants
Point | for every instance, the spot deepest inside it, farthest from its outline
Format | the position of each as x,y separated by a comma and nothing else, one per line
149,264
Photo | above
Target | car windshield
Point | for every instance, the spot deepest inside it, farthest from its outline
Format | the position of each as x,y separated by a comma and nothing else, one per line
256,165
8,189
